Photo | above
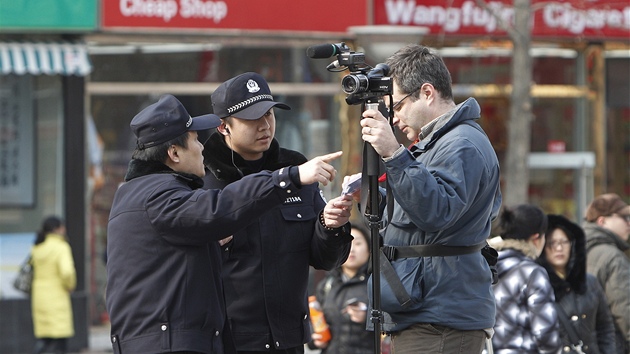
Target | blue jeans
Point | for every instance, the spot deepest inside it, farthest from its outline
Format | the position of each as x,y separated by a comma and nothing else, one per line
428,338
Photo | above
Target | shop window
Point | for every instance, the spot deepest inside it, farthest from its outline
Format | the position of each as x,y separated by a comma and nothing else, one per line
31,165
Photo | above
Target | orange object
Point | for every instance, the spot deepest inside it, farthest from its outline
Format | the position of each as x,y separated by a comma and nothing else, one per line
317,319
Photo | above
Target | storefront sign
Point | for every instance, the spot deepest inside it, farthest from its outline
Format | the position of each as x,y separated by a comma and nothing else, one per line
276,15
574,18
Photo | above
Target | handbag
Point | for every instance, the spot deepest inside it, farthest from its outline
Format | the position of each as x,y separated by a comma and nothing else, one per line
24,280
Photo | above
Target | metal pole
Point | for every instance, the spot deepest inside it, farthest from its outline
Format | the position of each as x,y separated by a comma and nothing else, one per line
372,159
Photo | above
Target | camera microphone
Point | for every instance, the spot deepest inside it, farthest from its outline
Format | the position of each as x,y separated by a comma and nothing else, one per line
324,51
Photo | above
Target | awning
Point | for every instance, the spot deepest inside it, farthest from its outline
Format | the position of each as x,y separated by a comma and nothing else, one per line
58,58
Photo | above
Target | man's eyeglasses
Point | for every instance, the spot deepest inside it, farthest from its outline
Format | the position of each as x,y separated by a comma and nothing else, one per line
397,104
562,243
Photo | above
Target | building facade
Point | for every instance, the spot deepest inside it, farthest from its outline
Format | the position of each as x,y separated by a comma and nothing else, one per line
73,118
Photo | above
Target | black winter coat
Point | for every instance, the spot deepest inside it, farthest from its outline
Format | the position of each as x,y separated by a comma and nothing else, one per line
266,266
332,293
164,292
580,295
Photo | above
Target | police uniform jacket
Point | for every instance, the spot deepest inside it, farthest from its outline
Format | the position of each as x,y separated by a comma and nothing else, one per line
266,266
164,292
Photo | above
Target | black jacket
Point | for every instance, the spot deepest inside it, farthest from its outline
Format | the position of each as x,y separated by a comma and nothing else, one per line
164,292
266,266
332,293
580,295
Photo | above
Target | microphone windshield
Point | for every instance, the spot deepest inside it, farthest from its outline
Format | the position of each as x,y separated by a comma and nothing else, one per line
323,51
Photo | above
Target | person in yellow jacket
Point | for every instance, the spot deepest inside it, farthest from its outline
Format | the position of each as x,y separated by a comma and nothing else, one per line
54,279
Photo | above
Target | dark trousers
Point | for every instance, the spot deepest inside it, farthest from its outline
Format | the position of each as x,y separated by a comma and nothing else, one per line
433,339
55,345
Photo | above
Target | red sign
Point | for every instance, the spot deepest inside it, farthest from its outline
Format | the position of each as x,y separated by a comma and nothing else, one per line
276,15
556,146
602,19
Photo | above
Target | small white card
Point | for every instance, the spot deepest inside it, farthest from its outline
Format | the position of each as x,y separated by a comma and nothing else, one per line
354,183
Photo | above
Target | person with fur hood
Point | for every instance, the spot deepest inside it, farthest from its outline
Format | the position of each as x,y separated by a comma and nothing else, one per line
526,319
579,297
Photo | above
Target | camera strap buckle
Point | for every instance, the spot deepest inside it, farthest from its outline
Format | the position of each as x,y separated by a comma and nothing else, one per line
389,252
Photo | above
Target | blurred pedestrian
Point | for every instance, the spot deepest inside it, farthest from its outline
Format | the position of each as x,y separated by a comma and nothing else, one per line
607,228
343,294
526,314
54,279
579,297
266,264
164,291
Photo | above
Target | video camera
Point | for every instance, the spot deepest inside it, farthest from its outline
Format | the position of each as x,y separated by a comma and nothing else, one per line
364,83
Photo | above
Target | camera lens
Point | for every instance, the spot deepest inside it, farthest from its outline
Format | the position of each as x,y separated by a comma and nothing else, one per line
354,83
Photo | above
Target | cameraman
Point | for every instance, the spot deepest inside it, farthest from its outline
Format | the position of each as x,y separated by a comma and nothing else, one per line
446,192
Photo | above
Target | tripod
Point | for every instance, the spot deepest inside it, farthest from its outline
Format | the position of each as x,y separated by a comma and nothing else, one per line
371,170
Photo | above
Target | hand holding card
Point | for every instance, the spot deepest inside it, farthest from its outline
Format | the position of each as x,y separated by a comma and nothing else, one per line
351,184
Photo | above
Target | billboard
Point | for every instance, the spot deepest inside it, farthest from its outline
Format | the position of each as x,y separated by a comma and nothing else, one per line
592,19
272,15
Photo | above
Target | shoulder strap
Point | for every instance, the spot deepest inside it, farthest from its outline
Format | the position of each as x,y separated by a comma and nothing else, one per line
394,281
390,253
434,250
576,343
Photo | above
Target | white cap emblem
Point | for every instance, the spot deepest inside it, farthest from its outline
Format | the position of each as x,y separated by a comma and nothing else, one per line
189,122
252,86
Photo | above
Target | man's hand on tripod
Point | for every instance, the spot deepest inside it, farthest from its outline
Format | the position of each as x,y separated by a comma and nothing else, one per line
377,131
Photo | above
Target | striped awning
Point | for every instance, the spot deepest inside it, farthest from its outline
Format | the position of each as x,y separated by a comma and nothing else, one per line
57,58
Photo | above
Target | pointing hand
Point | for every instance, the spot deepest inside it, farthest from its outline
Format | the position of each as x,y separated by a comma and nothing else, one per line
318,169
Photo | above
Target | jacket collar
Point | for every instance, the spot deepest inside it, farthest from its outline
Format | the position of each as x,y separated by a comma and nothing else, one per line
139,168
56,236
362,273
468,110
597,235
218,159
521,246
